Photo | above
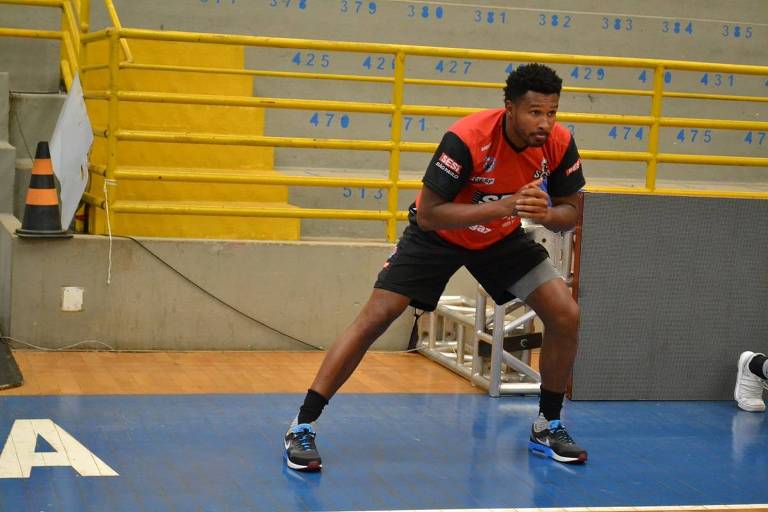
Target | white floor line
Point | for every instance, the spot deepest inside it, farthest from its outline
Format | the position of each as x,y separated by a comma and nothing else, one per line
683,508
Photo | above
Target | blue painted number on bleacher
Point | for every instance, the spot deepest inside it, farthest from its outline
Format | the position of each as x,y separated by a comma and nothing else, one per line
555,20
587,73
716,80
378,63
347,192
329,120
419,123
426,12
490,17
301,4
677,27
626,133
453,67
737,31
311,59
571,128
617,24
643,76
218,2
510,68
358,7
758,138
692,134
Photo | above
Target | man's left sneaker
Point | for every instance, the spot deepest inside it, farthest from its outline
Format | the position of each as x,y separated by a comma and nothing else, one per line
551,439
300,449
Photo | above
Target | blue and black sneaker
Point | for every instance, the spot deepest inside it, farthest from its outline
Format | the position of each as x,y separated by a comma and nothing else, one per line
551,439
300,450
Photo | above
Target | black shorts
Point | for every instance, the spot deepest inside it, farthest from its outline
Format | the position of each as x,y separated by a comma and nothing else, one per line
423,263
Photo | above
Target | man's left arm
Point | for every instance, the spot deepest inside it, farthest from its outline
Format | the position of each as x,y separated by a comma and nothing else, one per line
561,216
563,186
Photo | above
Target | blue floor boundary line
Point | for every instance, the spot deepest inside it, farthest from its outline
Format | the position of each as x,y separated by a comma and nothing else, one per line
390,452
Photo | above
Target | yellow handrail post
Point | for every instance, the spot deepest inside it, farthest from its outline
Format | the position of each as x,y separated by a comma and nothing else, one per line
113,109
85,16
653,139
85,25
116,23
396,136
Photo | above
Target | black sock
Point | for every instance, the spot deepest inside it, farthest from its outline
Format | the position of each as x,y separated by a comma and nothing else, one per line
756,365
550,404
312,407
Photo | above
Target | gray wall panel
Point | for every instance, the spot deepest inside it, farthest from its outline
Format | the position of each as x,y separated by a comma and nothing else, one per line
672,290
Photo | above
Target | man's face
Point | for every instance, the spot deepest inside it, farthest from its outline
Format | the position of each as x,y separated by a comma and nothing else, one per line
531,118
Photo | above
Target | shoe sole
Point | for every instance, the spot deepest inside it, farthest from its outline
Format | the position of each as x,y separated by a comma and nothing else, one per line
743,359
549,452
312,466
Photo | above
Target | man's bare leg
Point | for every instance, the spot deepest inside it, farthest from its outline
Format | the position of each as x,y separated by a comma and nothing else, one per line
554,304
382,308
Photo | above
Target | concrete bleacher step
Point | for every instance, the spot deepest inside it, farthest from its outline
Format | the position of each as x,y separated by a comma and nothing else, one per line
154,175
161,183
203,219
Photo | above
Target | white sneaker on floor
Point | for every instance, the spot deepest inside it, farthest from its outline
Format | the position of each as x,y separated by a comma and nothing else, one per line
748,392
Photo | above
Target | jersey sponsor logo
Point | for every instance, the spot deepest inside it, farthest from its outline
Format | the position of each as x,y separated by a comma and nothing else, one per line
480,228
482,197
448,165
575,167
489,163
543,170
483,180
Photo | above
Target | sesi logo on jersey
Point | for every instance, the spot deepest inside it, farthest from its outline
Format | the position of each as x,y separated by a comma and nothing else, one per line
448,165
575,167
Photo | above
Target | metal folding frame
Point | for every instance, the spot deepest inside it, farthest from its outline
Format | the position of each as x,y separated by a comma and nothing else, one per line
454,334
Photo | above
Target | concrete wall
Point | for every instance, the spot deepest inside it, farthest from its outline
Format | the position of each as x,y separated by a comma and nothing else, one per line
7,152
309,290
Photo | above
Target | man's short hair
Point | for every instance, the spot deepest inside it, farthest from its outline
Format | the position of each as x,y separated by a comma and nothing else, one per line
532,77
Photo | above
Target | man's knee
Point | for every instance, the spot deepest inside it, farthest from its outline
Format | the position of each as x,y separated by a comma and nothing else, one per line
564,318
383,308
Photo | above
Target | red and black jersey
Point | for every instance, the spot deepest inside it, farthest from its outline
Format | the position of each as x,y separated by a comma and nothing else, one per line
476,163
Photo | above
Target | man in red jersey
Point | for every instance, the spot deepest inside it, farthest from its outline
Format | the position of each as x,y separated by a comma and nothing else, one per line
492,169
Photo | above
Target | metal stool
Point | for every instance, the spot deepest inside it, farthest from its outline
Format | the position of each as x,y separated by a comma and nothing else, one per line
462,334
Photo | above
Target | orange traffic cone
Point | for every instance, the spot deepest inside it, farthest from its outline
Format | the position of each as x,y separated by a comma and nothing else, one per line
42,218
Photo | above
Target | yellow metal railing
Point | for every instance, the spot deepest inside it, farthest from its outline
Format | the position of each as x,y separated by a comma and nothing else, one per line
397,108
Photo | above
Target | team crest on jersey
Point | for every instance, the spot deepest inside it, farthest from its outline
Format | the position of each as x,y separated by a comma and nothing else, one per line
543,170
489,163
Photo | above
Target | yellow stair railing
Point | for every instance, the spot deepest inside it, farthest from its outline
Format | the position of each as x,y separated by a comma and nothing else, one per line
115,95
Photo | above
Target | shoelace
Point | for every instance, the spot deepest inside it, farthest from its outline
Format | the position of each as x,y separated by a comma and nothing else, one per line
562,435
305,438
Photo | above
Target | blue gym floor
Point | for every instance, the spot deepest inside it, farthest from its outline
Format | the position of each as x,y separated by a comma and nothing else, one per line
386,452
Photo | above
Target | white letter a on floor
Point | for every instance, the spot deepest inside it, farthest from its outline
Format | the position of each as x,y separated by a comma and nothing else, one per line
19,455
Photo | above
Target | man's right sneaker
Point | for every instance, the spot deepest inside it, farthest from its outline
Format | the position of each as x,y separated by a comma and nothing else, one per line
551,439
748,392
300,450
